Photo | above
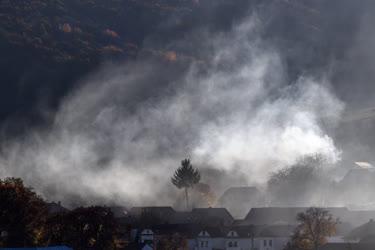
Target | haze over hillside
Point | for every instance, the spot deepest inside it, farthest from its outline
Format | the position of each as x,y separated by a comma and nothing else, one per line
101,96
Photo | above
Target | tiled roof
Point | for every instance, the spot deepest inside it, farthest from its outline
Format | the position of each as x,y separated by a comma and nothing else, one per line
363,231
285,215
277,231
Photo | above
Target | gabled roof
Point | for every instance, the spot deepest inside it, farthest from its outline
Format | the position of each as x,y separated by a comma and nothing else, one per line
245,231
138,211
213,211
214,232
164,214
180,217
203,216
188,230
277,231
363,231
284,215
359,217
119,211
218,216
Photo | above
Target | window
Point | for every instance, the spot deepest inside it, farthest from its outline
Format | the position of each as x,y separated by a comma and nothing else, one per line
204,243
264,243
235,244
230,244
270,243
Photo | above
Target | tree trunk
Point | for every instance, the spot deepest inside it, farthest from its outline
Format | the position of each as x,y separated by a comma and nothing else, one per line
187,198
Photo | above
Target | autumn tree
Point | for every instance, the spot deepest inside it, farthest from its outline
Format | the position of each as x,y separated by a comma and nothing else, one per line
315,225
83,228
172,242
186,176
22,214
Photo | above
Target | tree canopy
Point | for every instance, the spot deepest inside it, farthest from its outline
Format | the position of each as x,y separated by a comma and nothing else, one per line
83,228
315,225
22,214
186,176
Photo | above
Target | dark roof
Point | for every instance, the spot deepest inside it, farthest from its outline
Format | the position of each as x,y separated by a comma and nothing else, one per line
343,228
188,230
359,217
369,238
203,216
214,232
217,216
213,211
245,231
363,231
119,212
137,211
277,231
348,246
182,218
284,215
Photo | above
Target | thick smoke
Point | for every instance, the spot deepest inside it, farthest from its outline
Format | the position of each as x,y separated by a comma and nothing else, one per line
237,112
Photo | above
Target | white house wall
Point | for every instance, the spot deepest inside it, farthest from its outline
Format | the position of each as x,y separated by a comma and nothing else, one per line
243,243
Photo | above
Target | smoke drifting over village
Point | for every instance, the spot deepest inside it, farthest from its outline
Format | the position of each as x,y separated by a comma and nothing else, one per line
240,112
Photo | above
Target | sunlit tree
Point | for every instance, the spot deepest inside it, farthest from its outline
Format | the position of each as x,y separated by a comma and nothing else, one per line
315,225
22,214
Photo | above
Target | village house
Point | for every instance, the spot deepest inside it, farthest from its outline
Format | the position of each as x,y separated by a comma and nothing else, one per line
224,238
268,228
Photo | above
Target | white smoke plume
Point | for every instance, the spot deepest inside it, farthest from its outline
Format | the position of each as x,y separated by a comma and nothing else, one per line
234,113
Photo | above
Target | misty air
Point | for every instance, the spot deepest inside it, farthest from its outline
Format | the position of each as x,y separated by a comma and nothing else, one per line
187,125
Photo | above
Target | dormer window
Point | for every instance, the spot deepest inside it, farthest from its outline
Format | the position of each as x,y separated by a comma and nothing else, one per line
204,233
147,231
232,234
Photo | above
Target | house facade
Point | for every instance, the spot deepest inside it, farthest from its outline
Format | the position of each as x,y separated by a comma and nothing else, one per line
244,238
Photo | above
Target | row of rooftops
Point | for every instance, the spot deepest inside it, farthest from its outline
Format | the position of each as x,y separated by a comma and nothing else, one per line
256,216
220,217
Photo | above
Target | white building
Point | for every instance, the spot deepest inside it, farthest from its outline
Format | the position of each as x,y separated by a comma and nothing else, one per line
243,238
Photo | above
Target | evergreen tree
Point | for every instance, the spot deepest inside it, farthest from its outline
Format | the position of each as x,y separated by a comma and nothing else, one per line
186,176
